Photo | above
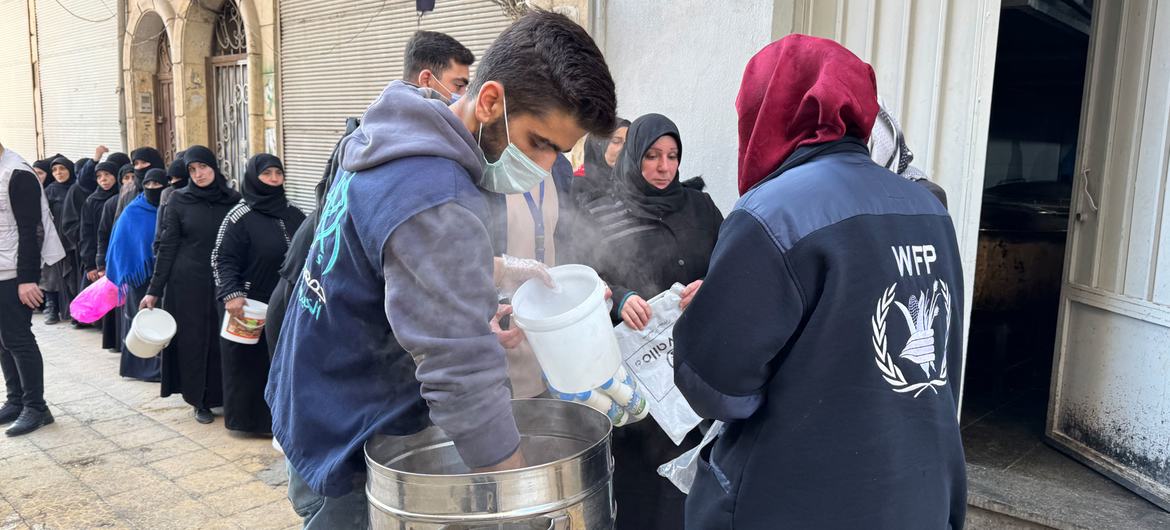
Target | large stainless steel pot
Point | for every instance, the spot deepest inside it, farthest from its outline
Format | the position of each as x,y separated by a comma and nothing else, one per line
420,482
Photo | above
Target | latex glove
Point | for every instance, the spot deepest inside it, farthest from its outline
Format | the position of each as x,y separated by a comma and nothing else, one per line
30,295
508,338
235,307
636,312
688,294
511,272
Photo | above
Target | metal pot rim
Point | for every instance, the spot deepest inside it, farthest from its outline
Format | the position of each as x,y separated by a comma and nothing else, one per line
378,467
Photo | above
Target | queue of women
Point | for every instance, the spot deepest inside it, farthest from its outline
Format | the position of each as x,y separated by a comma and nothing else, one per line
180,238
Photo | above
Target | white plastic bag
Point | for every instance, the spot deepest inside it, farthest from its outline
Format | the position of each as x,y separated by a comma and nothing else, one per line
681,471
649,357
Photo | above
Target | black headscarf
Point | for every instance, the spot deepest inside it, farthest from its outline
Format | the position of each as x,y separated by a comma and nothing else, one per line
178,168
149,155
154,160
46,166
643,199
598,179
119,159
123,171
153,174
98,193
261,197
55,192
62,161
217,192
85,180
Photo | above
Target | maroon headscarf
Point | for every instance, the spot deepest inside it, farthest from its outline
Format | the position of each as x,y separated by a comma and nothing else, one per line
800,90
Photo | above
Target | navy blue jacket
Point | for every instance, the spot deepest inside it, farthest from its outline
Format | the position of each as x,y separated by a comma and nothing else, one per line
828,334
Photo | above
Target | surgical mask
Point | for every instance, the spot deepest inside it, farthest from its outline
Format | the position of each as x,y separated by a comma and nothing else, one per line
451,95
514,172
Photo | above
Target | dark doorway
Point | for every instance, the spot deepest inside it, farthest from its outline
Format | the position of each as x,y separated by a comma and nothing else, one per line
1031,163
1031,155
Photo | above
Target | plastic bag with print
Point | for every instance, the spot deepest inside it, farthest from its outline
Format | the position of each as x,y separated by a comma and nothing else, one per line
649,357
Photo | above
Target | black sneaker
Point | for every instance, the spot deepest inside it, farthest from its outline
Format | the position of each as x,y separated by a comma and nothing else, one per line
52,318
204,416
9,412
30,420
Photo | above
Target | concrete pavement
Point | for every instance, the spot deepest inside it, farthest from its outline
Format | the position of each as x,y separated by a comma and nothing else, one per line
119,456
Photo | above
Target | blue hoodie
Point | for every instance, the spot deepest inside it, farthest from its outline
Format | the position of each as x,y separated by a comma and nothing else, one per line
389,321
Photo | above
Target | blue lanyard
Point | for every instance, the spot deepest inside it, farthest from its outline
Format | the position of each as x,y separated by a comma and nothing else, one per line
537,212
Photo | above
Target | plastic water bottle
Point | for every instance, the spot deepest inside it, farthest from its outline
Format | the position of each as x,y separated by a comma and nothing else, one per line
623,390
597,401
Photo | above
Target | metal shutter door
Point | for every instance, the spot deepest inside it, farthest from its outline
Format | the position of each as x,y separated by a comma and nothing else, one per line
332,68
18,129
79,69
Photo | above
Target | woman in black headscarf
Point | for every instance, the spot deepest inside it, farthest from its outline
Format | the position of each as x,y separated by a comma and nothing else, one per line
143,159
43,168
111,323
650,233
107,186
601,153
248,254
178,178
75,200
191,364
59,280
130,263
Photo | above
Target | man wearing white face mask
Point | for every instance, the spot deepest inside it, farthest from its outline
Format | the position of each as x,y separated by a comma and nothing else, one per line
389,324
439,62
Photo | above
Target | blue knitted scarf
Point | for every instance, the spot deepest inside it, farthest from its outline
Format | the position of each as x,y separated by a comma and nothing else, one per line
130,259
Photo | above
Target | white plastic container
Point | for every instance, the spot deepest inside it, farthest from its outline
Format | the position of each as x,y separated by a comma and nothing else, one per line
245,330
569,328
151,331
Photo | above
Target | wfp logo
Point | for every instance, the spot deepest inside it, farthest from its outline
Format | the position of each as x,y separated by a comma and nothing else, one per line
920,312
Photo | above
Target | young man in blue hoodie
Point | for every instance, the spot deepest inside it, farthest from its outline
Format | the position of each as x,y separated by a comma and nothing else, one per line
389,323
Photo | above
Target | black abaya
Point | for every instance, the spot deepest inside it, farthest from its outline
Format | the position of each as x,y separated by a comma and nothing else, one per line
182,278
245,374
248,255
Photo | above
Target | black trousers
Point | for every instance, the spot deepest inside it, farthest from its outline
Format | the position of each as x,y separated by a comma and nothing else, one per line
20,358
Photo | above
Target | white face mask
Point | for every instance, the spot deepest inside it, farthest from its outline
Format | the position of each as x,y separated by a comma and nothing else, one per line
451,95
514,172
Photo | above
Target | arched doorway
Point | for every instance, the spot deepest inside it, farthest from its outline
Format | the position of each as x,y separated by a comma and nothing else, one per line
164,95
229,87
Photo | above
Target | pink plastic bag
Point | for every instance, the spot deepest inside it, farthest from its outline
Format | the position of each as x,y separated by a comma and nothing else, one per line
95,301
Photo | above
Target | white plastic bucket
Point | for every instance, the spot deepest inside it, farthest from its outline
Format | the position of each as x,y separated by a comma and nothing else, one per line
569,328
245,330
151,331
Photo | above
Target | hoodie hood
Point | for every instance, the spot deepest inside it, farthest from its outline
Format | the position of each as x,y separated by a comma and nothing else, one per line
407,121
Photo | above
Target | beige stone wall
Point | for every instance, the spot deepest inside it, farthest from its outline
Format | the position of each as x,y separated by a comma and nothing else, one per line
189,25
